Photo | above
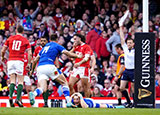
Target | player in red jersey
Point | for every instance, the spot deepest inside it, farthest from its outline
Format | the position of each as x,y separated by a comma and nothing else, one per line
43,42
17,45
81,70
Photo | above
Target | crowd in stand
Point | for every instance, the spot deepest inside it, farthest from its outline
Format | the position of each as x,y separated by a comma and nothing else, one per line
97,20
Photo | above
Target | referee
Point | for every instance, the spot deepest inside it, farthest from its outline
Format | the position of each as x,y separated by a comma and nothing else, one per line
128,74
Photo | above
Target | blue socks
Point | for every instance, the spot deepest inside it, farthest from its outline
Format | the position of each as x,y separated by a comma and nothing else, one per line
109,106
38,92
66,92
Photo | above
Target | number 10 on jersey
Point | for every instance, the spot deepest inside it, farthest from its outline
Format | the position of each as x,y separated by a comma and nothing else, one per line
16,45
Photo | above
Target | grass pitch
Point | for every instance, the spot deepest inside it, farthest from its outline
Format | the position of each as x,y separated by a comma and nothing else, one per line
77,111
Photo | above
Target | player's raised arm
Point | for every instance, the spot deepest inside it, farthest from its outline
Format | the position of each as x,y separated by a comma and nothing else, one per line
121,26
122,35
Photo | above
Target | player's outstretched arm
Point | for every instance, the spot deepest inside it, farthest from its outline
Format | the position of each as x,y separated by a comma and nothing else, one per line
72,55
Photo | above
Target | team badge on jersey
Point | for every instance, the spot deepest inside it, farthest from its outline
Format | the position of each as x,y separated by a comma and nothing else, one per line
56,72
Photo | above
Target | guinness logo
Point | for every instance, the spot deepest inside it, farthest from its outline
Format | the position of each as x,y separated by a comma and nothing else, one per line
143,93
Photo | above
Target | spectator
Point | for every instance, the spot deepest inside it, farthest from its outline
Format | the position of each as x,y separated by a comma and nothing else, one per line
58,17
132,5
112,41
42,31
117,5
107,90
66,36
94,82
79,25
96,92
26,18
93,36
38,21
11,21
101,49
46,16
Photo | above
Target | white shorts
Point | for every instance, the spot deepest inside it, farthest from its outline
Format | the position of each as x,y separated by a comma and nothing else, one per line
46,72
81,72
27,80
16,67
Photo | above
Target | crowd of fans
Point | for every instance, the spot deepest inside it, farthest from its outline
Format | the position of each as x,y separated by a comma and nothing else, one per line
97,20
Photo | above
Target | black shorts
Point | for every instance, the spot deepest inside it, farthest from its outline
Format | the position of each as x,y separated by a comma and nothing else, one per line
128,75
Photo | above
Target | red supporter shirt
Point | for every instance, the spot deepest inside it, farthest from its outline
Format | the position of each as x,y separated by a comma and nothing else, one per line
17,46
83,50
36,51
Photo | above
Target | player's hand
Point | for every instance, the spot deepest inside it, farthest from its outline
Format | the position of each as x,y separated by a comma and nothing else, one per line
79,56
92,70
76,65
123,18
3,59
116,78
28,67
31,73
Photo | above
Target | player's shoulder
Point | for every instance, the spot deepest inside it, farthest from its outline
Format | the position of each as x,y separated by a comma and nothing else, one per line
38,47
86,46
12,37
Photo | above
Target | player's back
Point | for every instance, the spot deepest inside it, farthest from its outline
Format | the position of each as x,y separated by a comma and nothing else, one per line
17,45
49,53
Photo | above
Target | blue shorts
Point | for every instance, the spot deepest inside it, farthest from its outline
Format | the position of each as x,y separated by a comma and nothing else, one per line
128,75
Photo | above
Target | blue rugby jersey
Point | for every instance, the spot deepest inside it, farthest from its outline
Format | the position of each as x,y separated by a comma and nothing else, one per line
49,53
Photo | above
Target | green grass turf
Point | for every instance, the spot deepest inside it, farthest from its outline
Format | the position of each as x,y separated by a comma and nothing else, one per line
77,111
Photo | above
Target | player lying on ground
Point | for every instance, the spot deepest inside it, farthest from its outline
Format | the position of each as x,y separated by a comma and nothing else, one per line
77,101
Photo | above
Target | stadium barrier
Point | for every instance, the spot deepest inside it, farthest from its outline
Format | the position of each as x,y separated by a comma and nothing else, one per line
60,101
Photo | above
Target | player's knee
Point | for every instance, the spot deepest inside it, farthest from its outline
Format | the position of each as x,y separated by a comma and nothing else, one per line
45,89
121,88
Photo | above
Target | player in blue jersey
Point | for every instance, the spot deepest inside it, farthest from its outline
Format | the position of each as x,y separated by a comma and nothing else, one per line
46,69
78,101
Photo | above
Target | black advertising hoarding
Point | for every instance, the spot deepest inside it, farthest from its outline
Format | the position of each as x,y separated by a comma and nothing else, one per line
144,70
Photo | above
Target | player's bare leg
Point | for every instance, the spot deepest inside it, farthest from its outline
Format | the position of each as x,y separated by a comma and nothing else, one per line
72,82
118,93
89,89
11,88
85,86
62,80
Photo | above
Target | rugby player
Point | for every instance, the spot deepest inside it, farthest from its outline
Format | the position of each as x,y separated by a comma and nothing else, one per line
46,68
